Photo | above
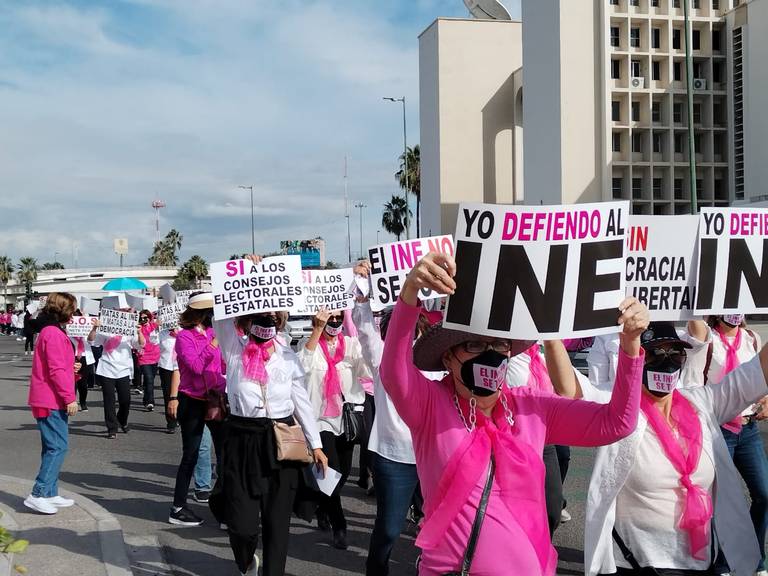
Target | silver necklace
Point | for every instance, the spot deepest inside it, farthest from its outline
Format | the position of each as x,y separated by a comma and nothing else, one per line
470,426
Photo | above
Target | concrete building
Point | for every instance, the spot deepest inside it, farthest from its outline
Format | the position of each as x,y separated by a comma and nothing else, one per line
605,115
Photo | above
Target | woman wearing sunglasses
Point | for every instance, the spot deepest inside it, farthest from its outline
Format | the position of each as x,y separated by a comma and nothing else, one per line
662,500
478,444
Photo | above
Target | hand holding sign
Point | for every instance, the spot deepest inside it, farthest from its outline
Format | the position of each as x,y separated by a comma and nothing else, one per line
634,319
434,272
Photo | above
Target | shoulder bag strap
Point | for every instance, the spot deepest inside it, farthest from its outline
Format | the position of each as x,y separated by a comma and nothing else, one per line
479,517
754,339
626,552
708,363
266,402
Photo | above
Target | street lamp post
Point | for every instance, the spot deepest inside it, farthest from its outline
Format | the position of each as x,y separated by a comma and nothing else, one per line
405,160
689,97
253,229
361,206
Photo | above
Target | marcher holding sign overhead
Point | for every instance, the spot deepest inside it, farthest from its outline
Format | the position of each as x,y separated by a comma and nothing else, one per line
478,444
335,364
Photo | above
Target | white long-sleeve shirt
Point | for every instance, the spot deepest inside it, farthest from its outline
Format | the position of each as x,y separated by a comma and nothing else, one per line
168,351
286,390
119,362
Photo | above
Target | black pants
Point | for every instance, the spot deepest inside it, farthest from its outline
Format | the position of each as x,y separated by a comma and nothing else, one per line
148,373
29,343
191,415
564,460
365,456
553,488
165,384
86,373
123,388
663,572
339,453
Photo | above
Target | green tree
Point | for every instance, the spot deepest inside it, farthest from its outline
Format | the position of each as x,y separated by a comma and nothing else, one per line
6,275
414,179
26,273
165,252
331,265
193,271
52,266
395,216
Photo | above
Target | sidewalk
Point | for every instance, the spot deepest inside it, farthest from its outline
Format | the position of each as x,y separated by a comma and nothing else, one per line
84,539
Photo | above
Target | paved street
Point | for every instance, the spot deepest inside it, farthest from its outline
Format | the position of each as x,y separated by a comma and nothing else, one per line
132,478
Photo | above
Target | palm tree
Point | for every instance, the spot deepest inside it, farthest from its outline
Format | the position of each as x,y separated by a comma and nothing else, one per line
414,179
194,269
164,252
6,275
27,273
396,216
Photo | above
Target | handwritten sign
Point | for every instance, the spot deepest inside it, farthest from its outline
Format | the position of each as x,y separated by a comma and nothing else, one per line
391,263
330,289
733,261
168,316
80,326
182,296
530,272
241,287
661,264
117,322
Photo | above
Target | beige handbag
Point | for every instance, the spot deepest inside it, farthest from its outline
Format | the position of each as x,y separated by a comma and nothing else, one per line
290,442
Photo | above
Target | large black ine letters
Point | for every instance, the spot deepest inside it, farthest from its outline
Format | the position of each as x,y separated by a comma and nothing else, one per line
590,283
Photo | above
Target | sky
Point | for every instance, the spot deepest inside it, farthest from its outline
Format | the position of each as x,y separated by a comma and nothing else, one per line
106,106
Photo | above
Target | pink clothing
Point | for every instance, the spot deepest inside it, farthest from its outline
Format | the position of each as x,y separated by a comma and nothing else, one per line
150,354
200,363
539,418
52,383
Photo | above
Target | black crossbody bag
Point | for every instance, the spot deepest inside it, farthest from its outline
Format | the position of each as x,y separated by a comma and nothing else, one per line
477,524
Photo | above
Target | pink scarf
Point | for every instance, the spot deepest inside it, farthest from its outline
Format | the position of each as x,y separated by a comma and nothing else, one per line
349,326
731,363
684,455
255,357
112,343
538,379
80,347
519,475
332,382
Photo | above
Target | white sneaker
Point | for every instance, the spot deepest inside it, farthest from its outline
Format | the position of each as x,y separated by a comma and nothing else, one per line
565,516
60,502
254,569
761,573
223,526
40,505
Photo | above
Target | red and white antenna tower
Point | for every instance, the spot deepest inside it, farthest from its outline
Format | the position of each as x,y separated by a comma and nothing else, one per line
157,204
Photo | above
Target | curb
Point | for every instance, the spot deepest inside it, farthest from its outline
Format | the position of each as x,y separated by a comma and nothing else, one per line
111,539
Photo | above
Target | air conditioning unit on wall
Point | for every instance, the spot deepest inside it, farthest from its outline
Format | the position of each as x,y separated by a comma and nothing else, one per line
637,83
699,83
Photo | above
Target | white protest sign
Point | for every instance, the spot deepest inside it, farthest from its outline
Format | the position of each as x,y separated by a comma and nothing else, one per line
116,322
168,316
733,261
530,272
330,289
391,263
661,264
167,293
363,285
241,287
182,296
80,326
33,307
89,306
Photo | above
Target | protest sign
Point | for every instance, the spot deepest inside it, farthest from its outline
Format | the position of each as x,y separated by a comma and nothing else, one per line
116,322
330,289
661,264
33,307
167,293
114,302
182,296
241,287
89,306
391,263
80,326
530,272
142,302
168,316
733,261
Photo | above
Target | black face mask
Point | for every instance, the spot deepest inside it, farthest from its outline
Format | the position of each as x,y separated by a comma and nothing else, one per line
263,328
335,322
484,375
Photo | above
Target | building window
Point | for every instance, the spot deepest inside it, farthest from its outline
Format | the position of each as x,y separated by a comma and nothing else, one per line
637,187
677,113
656,112
635,111
616,69
697,70
637,143
716,39
617,185
658,144
697,144
677,69
717,73
715,4
676,3
616,111
634,37
699,188
697,113
616,142
696,4
679,143
677,39
634,2
697,39
614,2
679,183
636,72
658,188
656,38
615,36
655,3
656,70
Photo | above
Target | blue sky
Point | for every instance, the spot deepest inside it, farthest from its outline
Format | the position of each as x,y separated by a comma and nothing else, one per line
107,105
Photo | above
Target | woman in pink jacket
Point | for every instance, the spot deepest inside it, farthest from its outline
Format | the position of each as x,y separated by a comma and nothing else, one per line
52,399
478,441
149,356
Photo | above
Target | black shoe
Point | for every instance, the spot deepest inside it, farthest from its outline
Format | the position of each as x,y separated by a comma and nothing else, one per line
202,496
84,409
184,517
125,429
322,521
111,436
339,539
170,430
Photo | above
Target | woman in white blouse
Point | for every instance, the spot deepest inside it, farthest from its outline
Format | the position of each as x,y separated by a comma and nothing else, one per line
265,383
334,364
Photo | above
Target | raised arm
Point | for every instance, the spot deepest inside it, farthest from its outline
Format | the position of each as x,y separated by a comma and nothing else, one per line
370,341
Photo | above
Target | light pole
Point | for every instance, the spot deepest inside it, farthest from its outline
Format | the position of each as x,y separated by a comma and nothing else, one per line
689,89
405,160
361,206
346,212
253,229
377,236
56,257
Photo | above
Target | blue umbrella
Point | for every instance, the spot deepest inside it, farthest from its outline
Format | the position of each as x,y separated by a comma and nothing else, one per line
118,284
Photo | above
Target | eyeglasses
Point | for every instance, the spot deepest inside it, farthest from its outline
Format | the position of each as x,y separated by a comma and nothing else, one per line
657,356
479,346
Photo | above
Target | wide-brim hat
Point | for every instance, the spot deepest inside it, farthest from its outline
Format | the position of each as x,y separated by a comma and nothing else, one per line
201,301
429,348
661,333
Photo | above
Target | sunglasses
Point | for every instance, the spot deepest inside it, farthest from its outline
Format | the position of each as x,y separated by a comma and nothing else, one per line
657,356
479,346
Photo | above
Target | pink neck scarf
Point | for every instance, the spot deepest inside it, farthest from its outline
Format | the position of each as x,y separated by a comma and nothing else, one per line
332,382
731,363
112,343
684,455
80,347
519,476
349,326
255,357
538,379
